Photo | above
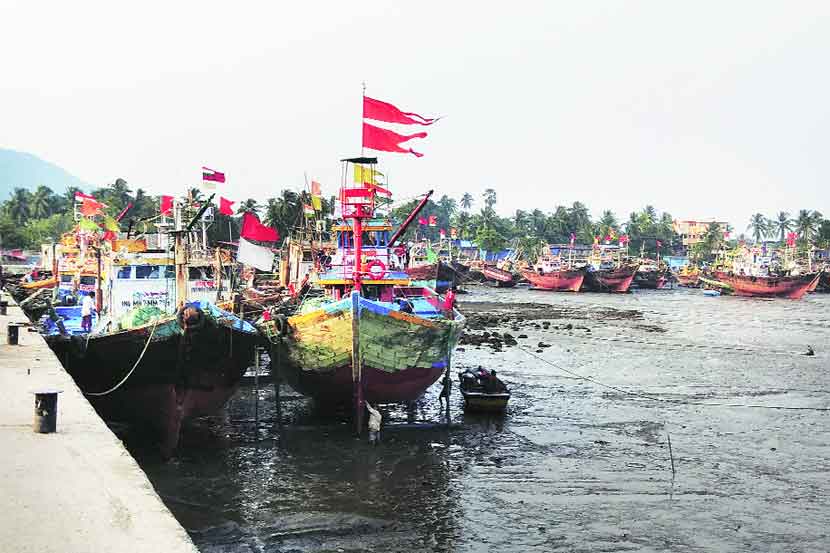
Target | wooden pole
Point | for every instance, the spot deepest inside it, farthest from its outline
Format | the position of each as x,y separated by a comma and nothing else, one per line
357,365
447,384
256,387
276,375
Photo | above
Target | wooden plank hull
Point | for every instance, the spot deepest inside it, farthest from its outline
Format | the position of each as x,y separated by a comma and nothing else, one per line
504,279
688,281
485,402
178,377
402,354
439,276
560,281
768,287
610,280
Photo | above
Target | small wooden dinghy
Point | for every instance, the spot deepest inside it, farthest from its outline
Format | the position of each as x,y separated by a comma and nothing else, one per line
483,391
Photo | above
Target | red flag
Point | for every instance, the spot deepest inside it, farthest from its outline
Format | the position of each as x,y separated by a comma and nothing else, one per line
79,196
422,221
252,229
442,233
212,176
433,221
315,188
225,206
659,243
573,239
379,189
123,212
383,111
388,141
91,207
166,205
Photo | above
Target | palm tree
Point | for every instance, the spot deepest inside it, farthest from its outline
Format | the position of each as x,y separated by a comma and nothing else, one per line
489,198
41,202
520,221
807,223
195,195
758,227
783,224
580,220
466,201
18,206
248,205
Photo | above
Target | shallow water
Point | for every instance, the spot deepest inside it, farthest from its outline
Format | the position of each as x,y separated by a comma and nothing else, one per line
573,465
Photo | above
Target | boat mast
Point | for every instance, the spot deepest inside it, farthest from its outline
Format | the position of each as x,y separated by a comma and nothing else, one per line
180,256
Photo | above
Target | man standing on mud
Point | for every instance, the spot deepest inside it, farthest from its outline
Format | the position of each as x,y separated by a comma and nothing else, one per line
87,307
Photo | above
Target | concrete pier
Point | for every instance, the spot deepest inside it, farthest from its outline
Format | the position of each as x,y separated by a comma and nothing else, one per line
77,490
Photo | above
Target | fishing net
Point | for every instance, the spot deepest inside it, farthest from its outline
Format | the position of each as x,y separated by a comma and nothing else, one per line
140,316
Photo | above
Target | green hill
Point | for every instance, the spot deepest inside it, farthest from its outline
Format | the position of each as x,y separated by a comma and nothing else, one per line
22,170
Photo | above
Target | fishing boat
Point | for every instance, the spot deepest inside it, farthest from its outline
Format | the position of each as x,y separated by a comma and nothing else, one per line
483,391
499,276
688,277
374,335
652,276
550,273
609,279
791,287
161,350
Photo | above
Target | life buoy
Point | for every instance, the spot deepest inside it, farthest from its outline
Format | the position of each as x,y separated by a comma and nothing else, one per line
376,269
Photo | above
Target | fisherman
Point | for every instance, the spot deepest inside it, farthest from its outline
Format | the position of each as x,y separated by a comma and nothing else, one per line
87,308
374,424
491,385
445,390
449,300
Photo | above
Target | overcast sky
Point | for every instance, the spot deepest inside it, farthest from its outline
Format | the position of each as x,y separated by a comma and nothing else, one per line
703,109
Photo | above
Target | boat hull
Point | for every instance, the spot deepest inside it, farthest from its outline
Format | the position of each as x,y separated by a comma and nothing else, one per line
438,276
178,376
560,281
651,280
610,280
688,281
485,402
794,287
502,278
400,354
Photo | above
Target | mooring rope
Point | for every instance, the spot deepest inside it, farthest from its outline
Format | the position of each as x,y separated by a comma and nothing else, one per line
140,357
671,401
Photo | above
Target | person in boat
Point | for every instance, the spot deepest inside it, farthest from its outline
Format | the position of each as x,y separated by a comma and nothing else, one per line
492,384
449,302
87,308
405,305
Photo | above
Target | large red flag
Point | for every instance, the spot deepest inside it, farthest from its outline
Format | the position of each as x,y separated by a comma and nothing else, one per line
91,207
225,206
388,141
252,229
166,205
383,111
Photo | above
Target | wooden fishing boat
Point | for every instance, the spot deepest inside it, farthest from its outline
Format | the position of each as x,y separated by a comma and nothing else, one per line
483,391
689,278
373,336
502,278
162,373
651,278
438,275
160,351
560,280
791,287
616,280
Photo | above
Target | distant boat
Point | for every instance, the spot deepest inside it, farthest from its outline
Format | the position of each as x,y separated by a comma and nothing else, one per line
502,278
616,280
791,287
560,280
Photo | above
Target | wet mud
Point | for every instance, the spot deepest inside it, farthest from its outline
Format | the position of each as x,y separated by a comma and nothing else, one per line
574,465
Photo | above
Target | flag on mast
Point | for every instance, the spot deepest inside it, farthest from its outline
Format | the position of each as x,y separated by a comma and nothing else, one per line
376,138
210,177
384,111
225,206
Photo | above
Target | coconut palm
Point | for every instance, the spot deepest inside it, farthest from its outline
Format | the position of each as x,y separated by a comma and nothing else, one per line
41,202
758,226
807,223
489,198
249,205
19,205
466,201
782,224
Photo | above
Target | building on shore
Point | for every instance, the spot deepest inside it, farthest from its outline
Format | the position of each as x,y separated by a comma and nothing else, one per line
693,232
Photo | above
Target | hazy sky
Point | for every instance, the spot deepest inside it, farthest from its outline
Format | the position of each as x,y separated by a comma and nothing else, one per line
703,109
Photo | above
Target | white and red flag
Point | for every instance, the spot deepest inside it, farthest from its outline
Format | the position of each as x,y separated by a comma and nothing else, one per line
210,177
